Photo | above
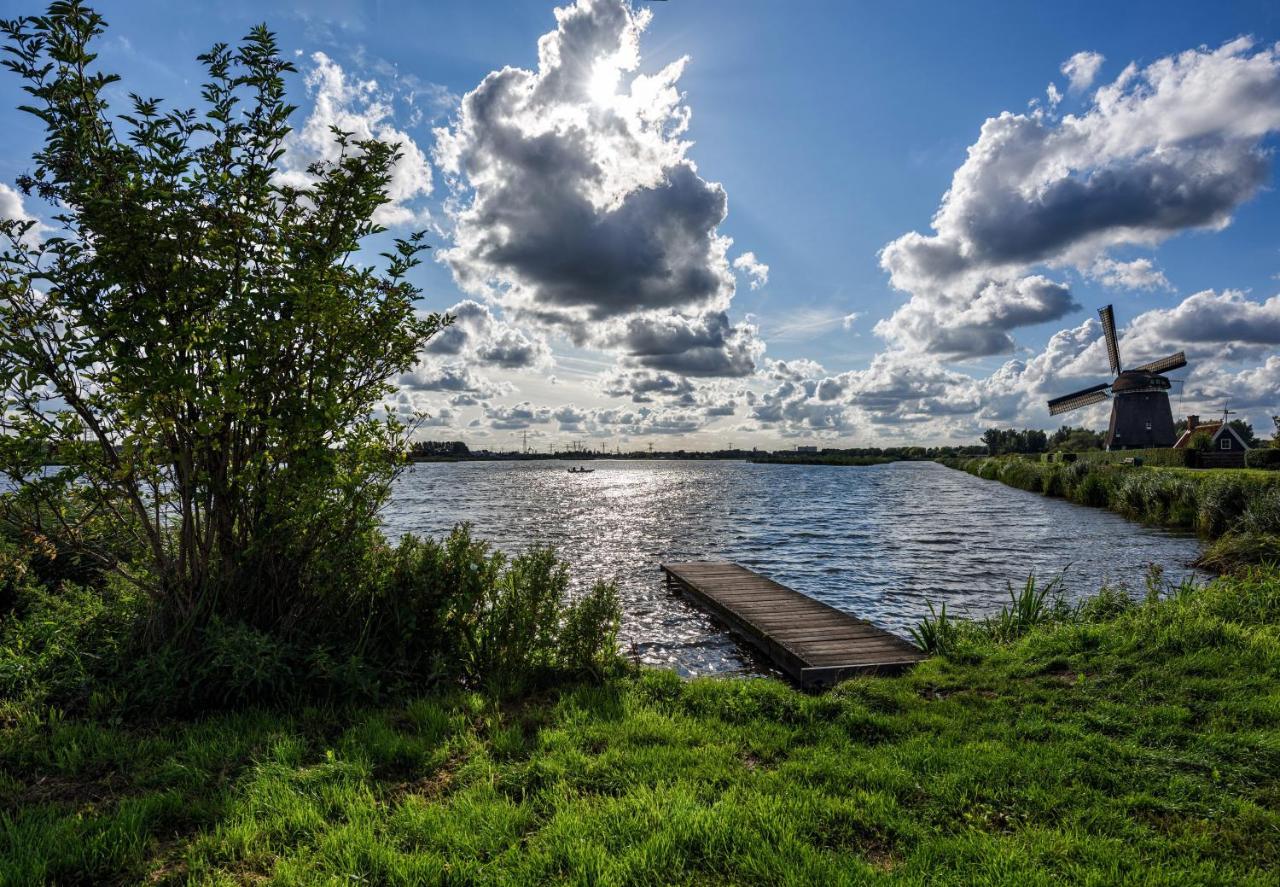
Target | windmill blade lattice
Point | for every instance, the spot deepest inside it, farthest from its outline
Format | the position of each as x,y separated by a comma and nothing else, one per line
1109,333
1164,364
1083,398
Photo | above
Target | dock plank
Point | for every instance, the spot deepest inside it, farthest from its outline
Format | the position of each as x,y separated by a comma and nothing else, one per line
813,643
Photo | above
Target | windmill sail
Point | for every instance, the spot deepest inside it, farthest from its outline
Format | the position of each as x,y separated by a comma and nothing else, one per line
1079,399
1109,333
1165,364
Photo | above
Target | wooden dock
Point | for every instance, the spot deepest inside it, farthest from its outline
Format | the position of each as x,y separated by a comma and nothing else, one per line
813,643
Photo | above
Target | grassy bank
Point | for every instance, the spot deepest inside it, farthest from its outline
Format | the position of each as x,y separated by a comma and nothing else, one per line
1130,743
1239,509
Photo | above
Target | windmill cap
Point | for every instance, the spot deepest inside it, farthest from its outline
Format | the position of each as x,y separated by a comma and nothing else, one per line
1139,380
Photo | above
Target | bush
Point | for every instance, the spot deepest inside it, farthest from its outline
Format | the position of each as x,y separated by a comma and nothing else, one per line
428,612
57,645
1051,483
232,430
1212,502
589,636
1268,459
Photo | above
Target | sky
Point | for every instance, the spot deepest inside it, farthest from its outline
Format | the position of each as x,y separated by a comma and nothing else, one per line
753,223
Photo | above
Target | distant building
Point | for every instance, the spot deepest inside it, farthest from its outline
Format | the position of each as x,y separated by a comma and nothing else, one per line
1226,447
806,449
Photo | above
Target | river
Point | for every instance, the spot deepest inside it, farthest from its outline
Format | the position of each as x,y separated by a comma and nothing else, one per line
878,541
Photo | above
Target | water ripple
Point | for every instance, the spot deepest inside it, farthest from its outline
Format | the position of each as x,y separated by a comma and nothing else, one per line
878,541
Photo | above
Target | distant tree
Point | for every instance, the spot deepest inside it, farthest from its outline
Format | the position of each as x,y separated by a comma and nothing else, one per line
1009,440
1245,430
1275,432
199,343
994,440
1075,440
454,448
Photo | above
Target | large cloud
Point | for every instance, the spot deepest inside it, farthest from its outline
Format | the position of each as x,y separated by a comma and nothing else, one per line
646,386
479,337
452,378
362,109
701,345
578,207
1163,149
1224,326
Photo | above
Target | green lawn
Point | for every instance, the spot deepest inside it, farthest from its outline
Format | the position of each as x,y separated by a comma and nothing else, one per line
1140,749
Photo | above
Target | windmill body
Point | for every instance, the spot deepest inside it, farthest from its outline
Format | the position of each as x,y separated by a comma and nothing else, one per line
1140,414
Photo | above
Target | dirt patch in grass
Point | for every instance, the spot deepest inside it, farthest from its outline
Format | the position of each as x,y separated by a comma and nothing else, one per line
881,857
430,787
68,791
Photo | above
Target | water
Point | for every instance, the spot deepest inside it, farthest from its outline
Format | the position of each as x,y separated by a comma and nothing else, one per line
877,541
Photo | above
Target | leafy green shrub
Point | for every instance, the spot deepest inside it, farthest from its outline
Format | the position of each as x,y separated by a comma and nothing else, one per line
427,613
1022,474
456,610
589,636
1156,497
57,645
1108,603
244,663
231,434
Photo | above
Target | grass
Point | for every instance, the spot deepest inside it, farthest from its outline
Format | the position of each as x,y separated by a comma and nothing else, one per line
1134,743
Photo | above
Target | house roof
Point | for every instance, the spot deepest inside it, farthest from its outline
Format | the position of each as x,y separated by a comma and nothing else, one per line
1214,429
1240,440
1185,437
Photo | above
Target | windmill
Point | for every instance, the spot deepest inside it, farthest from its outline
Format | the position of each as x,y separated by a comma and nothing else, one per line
1140,414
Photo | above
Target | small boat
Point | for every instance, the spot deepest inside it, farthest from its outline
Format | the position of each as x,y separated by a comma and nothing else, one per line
578,469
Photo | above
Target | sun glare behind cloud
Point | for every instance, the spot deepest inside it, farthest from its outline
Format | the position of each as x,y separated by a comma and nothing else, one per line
603,85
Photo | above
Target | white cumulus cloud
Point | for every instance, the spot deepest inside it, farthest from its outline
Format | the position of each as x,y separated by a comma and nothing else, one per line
1081,69
577,207
362,109
756,270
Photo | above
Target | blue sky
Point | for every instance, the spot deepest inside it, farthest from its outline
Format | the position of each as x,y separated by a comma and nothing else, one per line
822,134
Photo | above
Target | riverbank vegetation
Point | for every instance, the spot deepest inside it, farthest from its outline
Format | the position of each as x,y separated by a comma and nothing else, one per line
1134,742
1237,509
